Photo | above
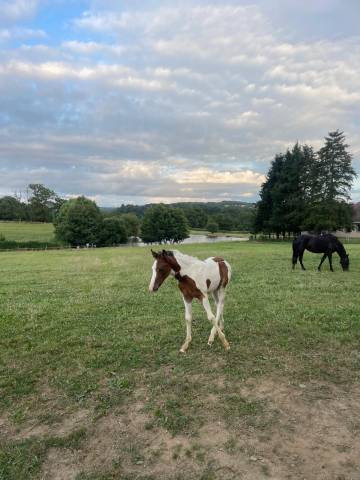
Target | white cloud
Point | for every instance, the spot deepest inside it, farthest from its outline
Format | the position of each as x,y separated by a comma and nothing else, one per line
15,10
188,101
206,176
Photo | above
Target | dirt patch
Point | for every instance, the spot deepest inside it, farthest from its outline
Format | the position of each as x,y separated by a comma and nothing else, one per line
260,429
314,434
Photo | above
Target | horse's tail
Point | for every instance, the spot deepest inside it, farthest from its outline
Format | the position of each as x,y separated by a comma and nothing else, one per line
295,248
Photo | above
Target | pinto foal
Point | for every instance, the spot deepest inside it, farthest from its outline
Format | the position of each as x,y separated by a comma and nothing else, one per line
196,279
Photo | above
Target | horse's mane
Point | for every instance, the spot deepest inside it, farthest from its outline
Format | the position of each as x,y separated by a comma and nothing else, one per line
340,248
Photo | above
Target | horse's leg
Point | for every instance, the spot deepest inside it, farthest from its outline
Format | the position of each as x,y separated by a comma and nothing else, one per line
322,261
301,254
330,261
295,256
214,321
188,319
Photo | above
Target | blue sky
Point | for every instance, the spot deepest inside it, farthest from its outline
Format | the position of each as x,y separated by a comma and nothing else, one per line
146,101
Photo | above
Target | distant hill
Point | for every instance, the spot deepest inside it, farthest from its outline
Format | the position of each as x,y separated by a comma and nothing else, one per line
108,209
207,206
227,215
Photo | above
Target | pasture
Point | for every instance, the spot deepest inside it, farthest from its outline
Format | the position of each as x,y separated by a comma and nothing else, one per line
27,231
92,386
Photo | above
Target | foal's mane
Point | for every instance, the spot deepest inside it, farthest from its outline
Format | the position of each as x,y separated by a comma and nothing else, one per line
185,258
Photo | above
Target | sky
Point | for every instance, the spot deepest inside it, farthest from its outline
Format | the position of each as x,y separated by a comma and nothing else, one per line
164,101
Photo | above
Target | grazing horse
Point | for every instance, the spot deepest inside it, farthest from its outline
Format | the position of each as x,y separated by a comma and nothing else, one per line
196,279
325,243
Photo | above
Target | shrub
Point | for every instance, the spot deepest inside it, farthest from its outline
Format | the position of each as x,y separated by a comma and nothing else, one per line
113,232
79,222
164,224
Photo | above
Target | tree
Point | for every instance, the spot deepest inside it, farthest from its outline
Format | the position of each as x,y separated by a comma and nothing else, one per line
44,203
212,226
78,222
195,216
304,190
288,193
113,232
225,221
131,223
12,209
266,221
337,172
332,176
164,224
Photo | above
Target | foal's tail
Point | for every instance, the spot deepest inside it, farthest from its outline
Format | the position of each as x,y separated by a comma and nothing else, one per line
229,270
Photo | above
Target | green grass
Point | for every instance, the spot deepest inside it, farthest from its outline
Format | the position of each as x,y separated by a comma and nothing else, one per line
79,330
27,231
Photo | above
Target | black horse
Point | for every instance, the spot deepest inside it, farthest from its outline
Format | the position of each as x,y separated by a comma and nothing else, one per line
325,243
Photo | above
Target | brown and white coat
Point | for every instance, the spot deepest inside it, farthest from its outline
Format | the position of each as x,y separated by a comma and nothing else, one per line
196,279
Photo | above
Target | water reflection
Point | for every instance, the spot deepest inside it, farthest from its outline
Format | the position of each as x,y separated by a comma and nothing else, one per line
202,239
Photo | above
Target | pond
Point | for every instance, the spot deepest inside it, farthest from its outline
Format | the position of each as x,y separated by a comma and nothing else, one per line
203,239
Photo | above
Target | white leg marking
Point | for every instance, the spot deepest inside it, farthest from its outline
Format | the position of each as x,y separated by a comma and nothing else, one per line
188,319
216,328
220,308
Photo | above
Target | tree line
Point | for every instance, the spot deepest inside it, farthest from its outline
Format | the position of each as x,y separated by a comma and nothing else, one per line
307,190
80,221
304,190
42,205
219,216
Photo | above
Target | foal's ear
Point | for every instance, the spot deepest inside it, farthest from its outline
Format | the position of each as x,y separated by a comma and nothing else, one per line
154,254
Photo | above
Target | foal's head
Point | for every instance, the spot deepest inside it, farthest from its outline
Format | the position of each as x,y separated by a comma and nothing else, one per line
164,263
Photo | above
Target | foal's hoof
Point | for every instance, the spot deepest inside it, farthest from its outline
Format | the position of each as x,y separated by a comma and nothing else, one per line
210,344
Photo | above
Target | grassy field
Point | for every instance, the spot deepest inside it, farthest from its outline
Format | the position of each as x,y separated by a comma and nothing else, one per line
27,231
92,386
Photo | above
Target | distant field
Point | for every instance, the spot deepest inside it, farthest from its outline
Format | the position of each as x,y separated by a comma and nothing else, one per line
92,386
27,231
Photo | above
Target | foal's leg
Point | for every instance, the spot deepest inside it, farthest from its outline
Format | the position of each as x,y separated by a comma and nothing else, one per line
188,319
220,307
322,261
216,328
217,300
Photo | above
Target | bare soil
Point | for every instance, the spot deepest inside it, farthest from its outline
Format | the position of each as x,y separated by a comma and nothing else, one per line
302,431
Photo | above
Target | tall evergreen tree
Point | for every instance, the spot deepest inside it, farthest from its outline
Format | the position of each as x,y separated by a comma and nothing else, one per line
337,173
265,220
305,190
330,183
